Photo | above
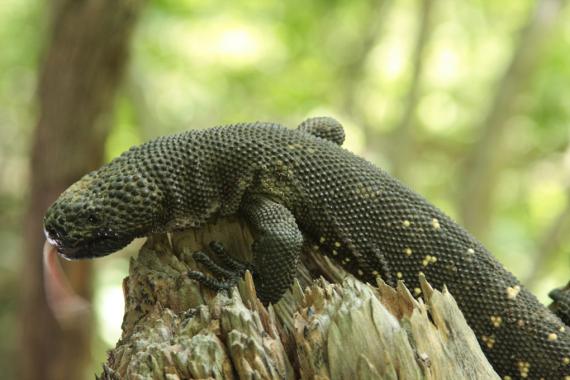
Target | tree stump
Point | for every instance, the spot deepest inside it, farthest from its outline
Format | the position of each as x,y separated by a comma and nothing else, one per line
333,328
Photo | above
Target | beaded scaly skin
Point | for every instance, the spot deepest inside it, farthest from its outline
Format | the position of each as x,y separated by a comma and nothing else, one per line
299,187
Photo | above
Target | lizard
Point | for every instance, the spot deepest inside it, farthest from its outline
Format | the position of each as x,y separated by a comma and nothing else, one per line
300,186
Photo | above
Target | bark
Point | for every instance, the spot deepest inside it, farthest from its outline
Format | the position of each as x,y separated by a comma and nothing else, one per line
175,329
484,161
85,57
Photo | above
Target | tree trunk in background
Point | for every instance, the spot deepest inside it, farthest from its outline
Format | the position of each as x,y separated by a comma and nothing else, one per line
352,71
84,60
483,164
549,245
403,142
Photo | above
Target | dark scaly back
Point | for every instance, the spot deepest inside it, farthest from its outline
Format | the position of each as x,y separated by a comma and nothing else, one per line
372,224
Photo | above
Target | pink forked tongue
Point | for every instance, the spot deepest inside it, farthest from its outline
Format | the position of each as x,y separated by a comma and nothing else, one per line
63,302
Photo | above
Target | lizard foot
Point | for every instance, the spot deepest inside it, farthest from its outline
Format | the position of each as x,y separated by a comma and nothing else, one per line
561,303
230,271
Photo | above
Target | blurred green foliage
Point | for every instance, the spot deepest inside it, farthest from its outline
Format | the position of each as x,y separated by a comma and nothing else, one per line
197,63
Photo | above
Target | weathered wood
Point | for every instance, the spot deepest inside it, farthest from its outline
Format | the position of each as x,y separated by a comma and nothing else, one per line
175,329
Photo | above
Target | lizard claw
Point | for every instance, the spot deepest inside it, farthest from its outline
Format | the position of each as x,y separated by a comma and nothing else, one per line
228,261
211,282
230,271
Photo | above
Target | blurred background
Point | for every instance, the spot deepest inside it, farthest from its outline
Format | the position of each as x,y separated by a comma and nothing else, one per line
467,102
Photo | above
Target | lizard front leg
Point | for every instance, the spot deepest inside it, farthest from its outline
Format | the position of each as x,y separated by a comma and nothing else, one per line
276,248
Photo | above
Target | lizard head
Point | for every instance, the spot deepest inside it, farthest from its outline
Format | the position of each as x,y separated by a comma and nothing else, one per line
103,211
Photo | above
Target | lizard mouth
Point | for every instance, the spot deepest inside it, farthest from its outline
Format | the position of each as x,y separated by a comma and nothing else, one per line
76,253
95,247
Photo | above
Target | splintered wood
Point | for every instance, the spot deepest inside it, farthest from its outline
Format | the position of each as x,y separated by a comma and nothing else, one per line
174,328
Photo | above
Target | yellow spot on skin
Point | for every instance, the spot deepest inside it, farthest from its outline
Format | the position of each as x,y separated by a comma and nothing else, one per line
429,260
322,239
520,323
513,292
337,244
406,223
566,360
435,224
347,260
488,340
335,252
470,251
417,291
496,320
408,251
375,273
524,367
507,378
360,272
399,274
552,337
561,329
